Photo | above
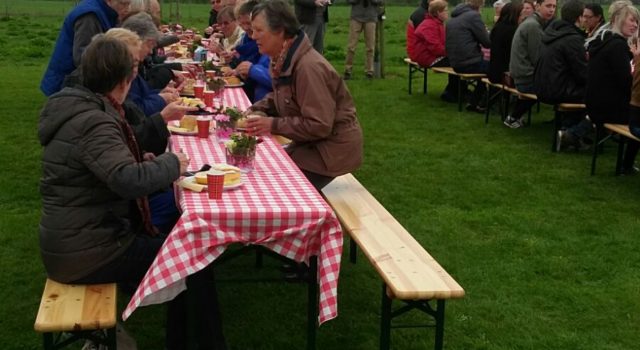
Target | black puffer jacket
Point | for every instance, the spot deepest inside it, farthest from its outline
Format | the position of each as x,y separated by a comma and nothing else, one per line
89,184
561,71
609,73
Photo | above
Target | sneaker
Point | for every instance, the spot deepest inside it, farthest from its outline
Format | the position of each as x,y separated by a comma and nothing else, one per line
347,75
369,76
476,108
513,123
559,137
566,140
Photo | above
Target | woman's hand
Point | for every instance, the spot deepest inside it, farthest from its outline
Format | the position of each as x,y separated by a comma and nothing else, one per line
243,69
259,125
169,97
175,111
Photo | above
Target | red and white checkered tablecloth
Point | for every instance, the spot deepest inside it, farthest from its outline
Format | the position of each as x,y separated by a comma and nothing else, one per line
275,207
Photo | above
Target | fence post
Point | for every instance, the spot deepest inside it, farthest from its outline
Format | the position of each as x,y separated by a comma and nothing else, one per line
378,56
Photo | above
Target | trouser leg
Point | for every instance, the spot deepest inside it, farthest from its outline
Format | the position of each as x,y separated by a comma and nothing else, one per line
370,43
355,28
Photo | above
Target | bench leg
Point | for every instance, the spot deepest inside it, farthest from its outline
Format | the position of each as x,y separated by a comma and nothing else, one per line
424,80
111,339
353,250
460,97
48,341
596,144
410,77
621,144
487,104
439,317
385,320
312,306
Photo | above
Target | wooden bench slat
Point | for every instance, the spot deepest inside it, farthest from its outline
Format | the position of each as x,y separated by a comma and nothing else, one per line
405,266
622,130
66,307
466,76
569,107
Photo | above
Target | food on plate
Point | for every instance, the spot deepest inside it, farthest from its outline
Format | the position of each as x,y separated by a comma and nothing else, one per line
225,69
193,102
232,80
187,88
231,174
241,123
188,122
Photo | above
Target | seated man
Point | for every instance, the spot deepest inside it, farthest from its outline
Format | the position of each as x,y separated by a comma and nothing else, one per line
465,35
561,72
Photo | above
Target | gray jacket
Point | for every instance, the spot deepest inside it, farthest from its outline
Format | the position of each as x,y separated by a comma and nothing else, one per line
89,184
365,11
525,49
465,32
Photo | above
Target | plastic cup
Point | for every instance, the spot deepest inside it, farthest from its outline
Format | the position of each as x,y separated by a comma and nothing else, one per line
215,184
198,91
209,97
211,74
204,123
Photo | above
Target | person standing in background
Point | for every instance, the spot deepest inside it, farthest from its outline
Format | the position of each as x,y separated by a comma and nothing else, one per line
364,16
313,15
89,18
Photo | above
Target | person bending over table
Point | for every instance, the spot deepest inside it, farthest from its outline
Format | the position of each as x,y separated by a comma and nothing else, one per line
95,225
310,103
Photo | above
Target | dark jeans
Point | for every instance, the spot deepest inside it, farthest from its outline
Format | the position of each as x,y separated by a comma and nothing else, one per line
452,86
318,181
481,67
129,269
577,124
523,105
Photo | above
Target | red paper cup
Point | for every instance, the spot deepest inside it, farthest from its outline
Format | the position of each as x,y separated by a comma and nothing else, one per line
204,123
198,91
208,98
215,184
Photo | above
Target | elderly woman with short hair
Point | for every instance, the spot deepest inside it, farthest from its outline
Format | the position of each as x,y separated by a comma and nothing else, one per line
310,103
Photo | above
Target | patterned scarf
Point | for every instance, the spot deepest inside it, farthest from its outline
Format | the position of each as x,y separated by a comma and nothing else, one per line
276,65
142,202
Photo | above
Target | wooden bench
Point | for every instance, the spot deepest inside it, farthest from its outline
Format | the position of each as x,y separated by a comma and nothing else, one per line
414,67
74,312
559,110
474,78
408,272
612,129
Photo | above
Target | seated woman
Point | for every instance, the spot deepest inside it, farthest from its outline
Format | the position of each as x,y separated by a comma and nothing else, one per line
231,34
429,50
609,76
149,100
95,225
501,37
310,105
248,63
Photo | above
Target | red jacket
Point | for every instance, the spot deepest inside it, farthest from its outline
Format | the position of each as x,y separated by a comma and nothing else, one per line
429,43
411,40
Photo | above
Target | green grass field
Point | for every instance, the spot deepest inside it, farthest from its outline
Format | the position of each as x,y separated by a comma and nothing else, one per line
547,254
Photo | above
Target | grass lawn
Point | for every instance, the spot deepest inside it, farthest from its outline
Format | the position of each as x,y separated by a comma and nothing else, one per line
547,254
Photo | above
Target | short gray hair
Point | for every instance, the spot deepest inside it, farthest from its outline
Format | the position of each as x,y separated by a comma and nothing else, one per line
142,24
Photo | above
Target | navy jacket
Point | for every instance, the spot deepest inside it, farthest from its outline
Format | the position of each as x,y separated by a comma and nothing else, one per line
61,62
144,97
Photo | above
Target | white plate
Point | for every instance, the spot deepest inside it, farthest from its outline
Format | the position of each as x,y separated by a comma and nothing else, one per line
226,187
174,128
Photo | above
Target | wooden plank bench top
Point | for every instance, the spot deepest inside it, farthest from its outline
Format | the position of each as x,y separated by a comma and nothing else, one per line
521,95
406,267
76,307
466,76
570,107
622,130
488,82
407,60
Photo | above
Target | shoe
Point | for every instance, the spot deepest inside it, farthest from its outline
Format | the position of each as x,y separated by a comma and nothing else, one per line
475,108
630,171
347,75
513,123
369,76
559,137
566,140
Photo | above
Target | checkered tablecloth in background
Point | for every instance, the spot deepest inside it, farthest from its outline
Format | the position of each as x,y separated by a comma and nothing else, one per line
275,207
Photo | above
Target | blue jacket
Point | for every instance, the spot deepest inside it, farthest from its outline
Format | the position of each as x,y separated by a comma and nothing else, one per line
144,97
259,74
61,62
247,50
